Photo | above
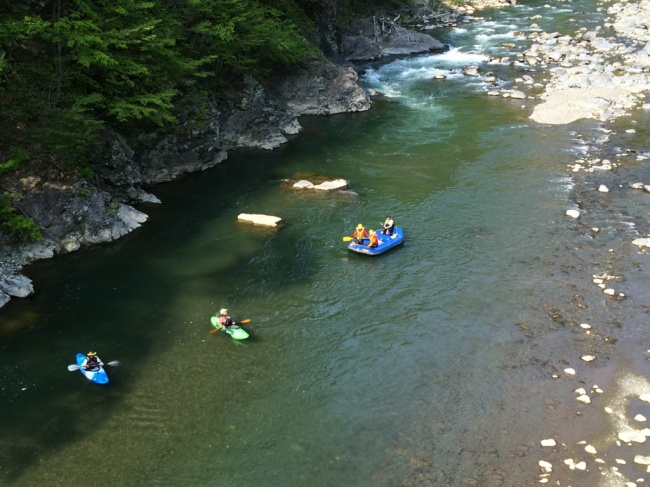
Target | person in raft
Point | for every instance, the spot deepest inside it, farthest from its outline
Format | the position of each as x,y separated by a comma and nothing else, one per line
374,239
360,234
225,320
389,226
92,362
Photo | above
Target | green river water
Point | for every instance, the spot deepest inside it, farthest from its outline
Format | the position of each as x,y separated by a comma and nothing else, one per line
408,369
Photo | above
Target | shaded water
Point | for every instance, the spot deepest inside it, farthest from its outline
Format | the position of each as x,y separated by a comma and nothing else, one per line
406,369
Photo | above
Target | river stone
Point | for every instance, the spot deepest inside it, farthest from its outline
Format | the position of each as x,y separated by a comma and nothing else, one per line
641,242
573,213
641,460
18,286
630,436
584,398
332,185
549,442
257,219
303,184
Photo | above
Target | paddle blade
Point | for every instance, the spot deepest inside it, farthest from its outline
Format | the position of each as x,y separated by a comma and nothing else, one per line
73,367
245,322
347,239
214,331
113,363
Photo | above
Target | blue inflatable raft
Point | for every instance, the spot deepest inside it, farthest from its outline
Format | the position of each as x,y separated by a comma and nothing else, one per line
386,242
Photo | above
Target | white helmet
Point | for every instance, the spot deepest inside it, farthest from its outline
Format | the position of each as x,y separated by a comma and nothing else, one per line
223,311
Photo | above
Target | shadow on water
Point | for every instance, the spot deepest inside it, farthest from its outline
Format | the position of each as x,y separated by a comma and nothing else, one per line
122,305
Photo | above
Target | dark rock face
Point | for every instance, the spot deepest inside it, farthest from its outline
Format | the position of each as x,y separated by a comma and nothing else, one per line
75,212
373,39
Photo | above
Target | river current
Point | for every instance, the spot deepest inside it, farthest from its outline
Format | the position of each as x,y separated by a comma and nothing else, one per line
427,366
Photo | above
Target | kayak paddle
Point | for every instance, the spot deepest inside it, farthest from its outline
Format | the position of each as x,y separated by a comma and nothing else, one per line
112,363
242,322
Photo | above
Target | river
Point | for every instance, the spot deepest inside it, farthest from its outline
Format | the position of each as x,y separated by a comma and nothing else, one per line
427,366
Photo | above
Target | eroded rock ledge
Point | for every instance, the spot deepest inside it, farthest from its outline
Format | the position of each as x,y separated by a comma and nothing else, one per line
76,213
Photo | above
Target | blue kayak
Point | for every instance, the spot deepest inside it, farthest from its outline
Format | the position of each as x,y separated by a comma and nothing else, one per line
234,331
386,242
97,376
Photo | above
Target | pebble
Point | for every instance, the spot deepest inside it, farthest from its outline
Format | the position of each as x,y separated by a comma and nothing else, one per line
549,442
588,358
570,371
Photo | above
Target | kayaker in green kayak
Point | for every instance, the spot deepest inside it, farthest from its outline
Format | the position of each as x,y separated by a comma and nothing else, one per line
225,320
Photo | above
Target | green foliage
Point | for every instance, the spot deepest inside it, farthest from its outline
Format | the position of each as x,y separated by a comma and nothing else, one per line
69,69
13,163
20,227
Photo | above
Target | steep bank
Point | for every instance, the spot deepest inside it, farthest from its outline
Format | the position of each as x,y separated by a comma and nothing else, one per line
76,212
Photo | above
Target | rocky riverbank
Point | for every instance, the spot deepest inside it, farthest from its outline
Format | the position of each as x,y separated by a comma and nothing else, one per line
602,75
75,213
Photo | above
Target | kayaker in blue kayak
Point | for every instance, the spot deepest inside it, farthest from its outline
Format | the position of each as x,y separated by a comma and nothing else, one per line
92,362
389,226
225,320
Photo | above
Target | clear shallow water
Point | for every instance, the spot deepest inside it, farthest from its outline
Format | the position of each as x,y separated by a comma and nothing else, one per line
407,369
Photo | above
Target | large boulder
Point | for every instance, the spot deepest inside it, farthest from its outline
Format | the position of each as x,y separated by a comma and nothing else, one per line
373,39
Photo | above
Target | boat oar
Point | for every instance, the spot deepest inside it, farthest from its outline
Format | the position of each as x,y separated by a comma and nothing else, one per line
242,322
112,363
347,239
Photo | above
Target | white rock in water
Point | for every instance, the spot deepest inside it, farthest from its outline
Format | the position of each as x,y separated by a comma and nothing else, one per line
256,219
641,242
588,358
603,189
585,326
610,291
621,461
639,417
573,213
549,442
543,481
609,410
332,185
630,131
590,449
581,466
303,184
570,371
631,436
641,460
645,397
584,398
545,465
580,391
